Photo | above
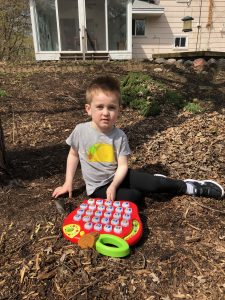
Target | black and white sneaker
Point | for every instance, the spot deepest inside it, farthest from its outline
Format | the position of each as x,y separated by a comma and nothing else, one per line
206,188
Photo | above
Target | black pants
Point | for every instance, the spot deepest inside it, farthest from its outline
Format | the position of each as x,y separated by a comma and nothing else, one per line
137,184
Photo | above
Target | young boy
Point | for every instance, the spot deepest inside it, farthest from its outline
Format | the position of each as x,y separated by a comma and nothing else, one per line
103,151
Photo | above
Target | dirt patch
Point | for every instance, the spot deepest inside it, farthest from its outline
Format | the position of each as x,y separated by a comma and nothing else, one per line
182,252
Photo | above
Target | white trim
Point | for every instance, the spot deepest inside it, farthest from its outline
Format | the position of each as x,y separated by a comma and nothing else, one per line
129,27
120,56
180,36
106,26
47,56
57,24
156,12
33,24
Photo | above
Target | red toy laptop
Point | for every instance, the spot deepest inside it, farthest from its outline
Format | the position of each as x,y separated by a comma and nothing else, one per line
119,218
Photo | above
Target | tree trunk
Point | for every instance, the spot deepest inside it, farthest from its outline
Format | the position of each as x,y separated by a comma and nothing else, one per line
3,162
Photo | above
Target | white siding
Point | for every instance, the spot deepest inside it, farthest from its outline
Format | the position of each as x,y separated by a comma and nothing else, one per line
160,31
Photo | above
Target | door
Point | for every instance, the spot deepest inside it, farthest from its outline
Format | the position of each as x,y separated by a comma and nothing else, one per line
69,25
95,15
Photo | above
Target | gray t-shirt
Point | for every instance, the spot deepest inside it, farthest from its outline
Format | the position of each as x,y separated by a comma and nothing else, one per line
98,153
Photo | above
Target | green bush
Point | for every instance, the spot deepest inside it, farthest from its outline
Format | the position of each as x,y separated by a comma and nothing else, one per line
2,93
194,108
136,93
174,98
141,92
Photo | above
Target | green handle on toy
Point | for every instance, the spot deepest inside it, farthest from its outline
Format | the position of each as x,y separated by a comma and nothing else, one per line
121,248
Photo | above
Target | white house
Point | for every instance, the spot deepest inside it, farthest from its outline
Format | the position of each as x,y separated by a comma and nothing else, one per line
125,29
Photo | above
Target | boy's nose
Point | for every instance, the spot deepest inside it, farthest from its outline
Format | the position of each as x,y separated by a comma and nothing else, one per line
105,111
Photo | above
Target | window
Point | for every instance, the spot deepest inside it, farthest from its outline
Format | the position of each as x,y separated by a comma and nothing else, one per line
138,27
180,42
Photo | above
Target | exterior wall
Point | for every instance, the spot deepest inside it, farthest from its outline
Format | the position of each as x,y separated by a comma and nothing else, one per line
161,30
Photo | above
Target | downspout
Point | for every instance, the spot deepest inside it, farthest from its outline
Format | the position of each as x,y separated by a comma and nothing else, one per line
199,26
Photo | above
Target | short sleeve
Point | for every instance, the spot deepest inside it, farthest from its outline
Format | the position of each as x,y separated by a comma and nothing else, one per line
73,139
124,148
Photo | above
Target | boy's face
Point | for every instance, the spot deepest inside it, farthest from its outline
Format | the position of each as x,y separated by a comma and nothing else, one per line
104,110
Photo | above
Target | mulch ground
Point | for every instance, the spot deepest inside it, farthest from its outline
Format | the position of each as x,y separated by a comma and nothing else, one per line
182,252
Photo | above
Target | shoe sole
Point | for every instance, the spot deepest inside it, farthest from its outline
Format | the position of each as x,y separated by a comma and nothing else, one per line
211,181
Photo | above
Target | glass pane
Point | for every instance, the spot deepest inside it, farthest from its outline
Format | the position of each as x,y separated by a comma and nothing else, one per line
133,27
177,42
69,25
46,25
95,25
140,27
117,24
183,42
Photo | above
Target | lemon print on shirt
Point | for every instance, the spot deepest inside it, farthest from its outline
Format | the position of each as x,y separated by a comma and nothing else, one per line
101,153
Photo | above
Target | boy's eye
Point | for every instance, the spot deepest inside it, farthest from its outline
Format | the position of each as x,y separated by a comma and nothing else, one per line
99,106
112,107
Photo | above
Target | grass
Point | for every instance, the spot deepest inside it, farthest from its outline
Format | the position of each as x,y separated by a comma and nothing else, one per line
2,93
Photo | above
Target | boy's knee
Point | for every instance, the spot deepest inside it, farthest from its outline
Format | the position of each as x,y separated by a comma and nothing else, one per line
129,195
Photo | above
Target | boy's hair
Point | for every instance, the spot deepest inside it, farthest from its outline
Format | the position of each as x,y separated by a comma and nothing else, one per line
106,84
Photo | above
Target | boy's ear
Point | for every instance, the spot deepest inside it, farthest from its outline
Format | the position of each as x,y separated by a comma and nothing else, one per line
88,109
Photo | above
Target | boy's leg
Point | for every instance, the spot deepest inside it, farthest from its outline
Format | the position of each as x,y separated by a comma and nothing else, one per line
145,182
149,183
122,193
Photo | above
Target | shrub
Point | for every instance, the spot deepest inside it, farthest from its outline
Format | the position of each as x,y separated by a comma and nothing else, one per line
141,92
193,107
137,93
2,93
175,99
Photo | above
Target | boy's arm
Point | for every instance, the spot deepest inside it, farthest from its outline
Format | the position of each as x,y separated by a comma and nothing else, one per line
120,174
71,166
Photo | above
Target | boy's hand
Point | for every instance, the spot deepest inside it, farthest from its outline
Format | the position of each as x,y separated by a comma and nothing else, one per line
111,192
66,188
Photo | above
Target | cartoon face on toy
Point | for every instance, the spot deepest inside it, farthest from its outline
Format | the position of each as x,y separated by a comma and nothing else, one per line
71,230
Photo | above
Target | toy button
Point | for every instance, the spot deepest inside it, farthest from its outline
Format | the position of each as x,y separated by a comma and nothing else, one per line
116,203
119,209
108,228
92,207
101,207
107,214
89,212
98,213
86,218
115,221
95,219
91,201
88,225
98,227
126,216
124,223
125,204
128,210
77,217
109,208
99,202
108,203
116,215
83,205
80,211
105,220
118,229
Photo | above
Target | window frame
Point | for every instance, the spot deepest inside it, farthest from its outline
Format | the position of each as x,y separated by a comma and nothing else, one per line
138,35
180,36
